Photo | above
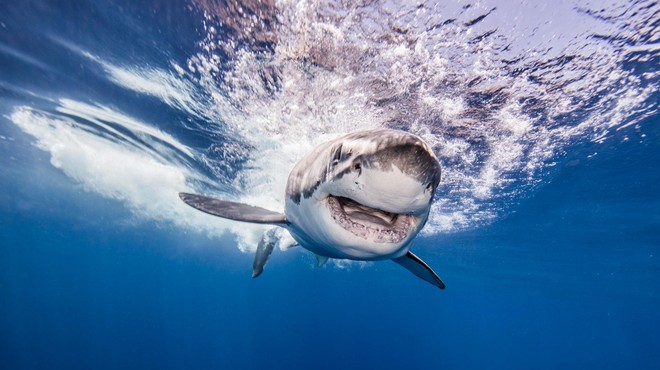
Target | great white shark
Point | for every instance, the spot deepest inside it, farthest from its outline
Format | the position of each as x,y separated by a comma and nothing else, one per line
363,197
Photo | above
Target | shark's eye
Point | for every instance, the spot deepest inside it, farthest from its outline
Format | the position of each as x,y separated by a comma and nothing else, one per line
337,156
429,187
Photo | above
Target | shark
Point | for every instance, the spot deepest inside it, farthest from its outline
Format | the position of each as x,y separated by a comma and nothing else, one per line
363,196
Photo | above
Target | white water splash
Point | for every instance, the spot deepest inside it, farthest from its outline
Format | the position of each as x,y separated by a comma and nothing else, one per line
105,161
499,89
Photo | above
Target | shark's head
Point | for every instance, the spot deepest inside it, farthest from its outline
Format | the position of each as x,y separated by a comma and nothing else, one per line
363,196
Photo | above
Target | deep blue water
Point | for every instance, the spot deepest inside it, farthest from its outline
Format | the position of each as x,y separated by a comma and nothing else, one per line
565,273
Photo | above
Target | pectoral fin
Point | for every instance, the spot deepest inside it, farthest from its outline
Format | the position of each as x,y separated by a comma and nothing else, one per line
264,249
233,210
415,265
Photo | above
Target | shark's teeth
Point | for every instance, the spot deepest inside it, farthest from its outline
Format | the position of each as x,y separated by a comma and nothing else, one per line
369,223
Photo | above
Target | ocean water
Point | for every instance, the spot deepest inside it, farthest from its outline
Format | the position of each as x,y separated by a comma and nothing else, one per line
545,227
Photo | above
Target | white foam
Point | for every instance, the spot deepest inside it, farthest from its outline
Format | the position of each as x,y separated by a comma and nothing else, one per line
100,115
349,264
497,99
117,170
175,91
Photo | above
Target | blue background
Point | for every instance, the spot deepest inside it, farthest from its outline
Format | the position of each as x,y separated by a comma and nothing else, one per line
568,278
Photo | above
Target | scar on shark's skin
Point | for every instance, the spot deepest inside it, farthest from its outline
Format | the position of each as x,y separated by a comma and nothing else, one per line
362,197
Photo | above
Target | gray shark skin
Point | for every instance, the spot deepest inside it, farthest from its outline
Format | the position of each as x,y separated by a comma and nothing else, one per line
363,197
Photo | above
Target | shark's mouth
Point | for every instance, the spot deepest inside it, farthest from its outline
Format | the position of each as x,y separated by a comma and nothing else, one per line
369,223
